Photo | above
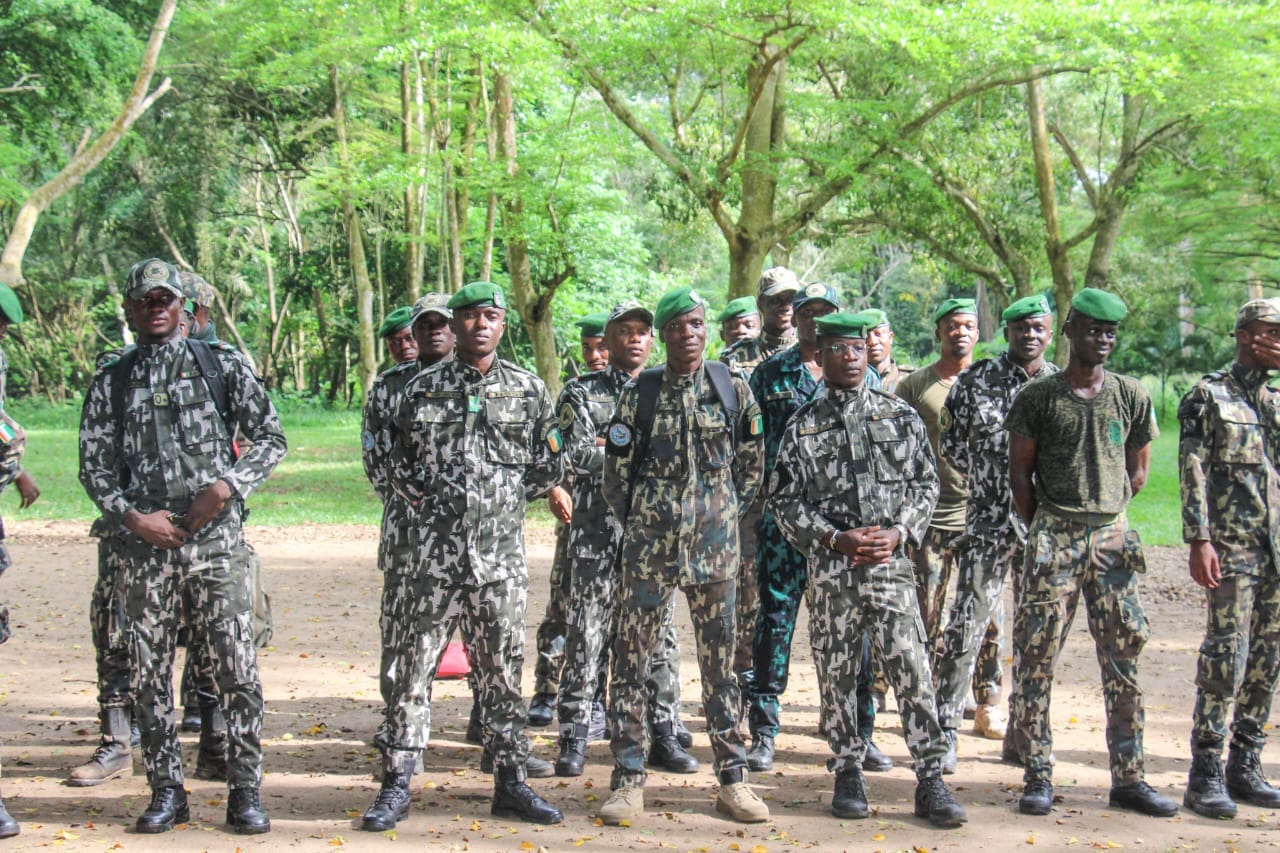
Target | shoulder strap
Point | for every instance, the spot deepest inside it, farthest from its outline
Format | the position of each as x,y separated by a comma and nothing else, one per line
119,386
722,382
648,383
215,379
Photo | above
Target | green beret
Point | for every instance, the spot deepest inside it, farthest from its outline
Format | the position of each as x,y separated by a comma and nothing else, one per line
478,293
1099,305
955,306
10,305
592,325
1027,306
673,303
873,317
740,307
395,321
840,325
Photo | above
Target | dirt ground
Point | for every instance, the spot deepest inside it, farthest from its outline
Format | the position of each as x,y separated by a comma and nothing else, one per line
322,709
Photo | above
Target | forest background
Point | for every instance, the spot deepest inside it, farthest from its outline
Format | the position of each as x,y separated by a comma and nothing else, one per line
322,162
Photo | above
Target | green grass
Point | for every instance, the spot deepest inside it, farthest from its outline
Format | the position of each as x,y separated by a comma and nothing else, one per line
321,481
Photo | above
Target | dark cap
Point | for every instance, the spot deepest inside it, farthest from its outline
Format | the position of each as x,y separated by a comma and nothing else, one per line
1266,310
431,302
395,321
195,288
817,291
777,280
150,274
628,309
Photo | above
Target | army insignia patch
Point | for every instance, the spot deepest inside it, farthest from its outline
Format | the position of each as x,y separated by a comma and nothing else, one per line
944,419
155,272
757,425
1115,432
553,438
499,301
366,440
619,435
7,434
816,289
566,416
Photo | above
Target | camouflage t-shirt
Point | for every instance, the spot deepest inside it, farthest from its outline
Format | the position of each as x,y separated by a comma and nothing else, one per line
1080,443
925,392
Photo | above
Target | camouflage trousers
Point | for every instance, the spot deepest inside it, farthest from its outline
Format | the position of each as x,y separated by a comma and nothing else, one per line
107,626
936,560
642,605
783,578
208,580
982,564
395,561
1239,661
554,625
875,604
748,593
1065,559
491,617
590,636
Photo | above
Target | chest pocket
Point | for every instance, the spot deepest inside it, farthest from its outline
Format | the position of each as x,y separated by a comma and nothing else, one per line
1240,438
600,409
510,431
197,415
715,441
827,478
889,452
666,446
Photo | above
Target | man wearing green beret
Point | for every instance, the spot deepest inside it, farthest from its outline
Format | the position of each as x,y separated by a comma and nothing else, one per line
774,292
591,336
1079,449
396,332
475,439
854,484
880,351
682,464
1228,462
925,390
740,319
974,442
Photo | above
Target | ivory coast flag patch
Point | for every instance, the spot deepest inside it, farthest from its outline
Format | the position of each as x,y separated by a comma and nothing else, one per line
757,424
553,438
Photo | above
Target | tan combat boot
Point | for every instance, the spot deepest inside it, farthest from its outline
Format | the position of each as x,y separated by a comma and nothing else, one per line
113,756
739,802
626,804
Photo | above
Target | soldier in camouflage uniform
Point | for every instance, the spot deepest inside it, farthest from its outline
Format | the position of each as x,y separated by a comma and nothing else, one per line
881,366
775,292
475,440
975,443
553,629
738,320
161,467
428,321
1079,449
1230,470
677,489
396,332
853,485
585,407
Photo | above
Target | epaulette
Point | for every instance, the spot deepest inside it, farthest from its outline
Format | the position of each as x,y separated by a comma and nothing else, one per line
106,358
897,405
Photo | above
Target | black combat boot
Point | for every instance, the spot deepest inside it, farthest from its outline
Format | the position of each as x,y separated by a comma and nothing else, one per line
1037,797
168,808
244,812
391,805
875,761
760,755
211,759
1141,798
513,798
666,753
112,758
1245,781
934,801
683,735
190,718
8,826
850,798
573,752
1207,787
542,708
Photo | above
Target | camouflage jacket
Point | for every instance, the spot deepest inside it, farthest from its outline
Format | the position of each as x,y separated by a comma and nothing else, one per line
1227,458
781,385
11,446
469,451
586,407
699,476
851,458
975,442
747,354
174,442
378,427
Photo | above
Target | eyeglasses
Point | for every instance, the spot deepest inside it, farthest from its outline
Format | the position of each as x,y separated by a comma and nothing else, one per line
158,299
840,349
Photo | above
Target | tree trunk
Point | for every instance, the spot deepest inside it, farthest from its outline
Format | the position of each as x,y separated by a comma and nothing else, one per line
754,232
355,241
88,157
1059,260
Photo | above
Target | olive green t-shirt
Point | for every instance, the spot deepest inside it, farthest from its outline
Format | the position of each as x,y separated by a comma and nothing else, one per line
1080,443
925,392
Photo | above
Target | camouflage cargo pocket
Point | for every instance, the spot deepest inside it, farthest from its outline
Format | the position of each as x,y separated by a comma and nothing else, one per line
197,416
714,445
510,433
1219,662
1133,558
889,452
1239,442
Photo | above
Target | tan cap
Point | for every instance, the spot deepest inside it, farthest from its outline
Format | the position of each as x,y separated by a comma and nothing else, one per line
1266,310
777,280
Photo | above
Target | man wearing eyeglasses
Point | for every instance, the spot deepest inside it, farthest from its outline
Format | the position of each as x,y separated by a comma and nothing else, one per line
854,484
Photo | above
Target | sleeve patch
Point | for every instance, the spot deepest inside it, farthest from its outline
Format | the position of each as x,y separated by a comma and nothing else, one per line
619,435
944,419
757,425
566,416
366,440
553,438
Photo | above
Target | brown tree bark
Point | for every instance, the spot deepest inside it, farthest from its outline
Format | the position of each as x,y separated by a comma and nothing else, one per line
1057,252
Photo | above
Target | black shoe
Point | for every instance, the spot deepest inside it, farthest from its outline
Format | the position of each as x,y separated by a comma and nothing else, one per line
1206,786
951,760
934,801
244,812
1037,797
683,735
390,806
875,761
191,718
666,753
168,807
760,756
513,798
1245,781
573,753
1141,798
850,798
8,826
542,708
598,728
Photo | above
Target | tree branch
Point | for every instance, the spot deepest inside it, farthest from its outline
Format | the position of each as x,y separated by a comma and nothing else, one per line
1082,172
